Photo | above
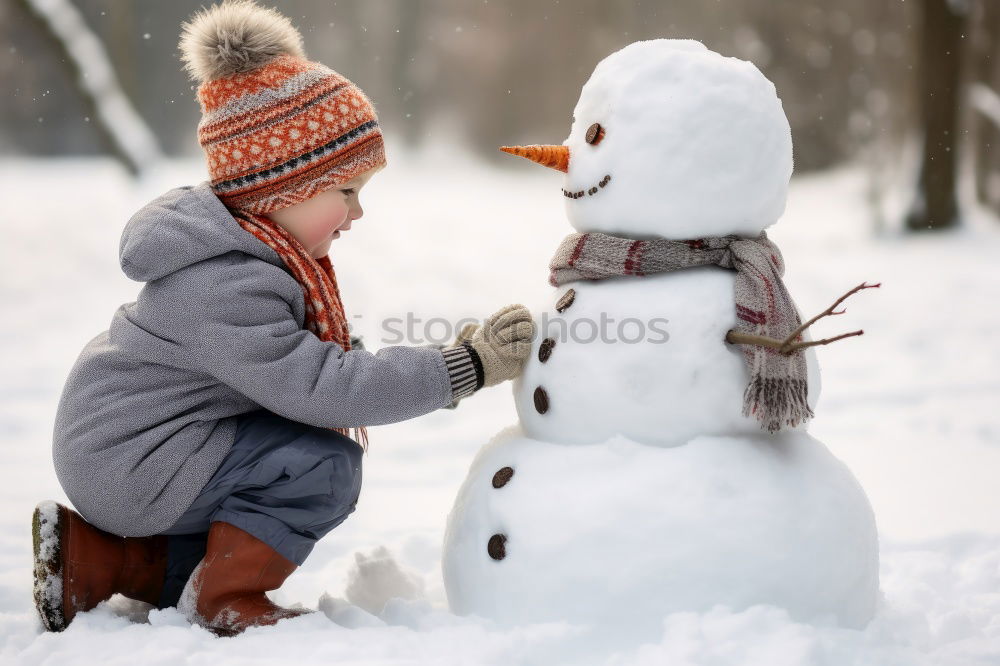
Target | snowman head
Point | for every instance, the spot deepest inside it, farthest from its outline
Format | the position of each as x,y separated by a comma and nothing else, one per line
672,140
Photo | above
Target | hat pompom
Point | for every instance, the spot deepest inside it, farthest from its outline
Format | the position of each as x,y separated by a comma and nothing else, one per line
235,36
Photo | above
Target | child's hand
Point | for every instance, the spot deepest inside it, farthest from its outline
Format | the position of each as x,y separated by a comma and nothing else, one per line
503,342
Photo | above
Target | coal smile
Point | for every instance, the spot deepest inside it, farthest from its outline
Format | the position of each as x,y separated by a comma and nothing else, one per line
591,192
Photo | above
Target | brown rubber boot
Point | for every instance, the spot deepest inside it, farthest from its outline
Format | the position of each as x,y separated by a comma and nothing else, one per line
77,565
225,593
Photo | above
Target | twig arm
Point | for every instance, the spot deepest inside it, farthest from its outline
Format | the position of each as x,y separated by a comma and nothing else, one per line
734,337
789,344
795,346
830,310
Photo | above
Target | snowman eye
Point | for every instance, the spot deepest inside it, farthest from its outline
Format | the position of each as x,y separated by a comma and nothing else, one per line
594,134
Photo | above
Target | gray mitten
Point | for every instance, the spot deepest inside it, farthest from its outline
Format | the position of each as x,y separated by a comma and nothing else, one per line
489,354
502,343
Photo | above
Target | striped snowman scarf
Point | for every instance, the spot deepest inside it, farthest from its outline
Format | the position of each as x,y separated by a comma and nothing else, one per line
325,315
776,394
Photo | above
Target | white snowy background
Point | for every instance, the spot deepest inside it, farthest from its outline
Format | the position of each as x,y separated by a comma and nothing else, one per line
911,407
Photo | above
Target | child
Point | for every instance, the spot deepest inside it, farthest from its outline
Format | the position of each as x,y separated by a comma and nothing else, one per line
203,436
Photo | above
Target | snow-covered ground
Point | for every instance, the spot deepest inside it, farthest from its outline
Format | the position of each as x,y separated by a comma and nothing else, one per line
911,407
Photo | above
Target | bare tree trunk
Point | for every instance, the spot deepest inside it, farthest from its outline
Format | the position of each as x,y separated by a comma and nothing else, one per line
984,97
934,205
402,70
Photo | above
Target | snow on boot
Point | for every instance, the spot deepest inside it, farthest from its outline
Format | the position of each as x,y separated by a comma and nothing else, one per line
77,565
225,593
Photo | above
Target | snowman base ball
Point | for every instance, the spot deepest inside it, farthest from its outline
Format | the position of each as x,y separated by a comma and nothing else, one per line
620,534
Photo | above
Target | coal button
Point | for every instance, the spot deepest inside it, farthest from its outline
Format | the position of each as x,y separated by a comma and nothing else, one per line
565,300
502,476
497,547
595,133
545,350
541,400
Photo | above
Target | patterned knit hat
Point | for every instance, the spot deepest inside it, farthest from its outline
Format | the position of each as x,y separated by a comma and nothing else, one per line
276,128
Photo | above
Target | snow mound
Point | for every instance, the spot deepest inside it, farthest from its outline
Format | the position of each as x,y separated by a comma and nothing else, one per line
376,578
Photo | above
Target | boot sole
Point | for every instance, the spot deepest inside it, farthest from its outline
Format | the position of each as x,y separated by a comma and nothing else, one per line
46,532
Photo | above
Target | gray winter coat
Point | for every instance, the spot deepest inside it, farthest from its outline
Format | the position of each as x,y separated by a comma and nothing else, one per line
148,411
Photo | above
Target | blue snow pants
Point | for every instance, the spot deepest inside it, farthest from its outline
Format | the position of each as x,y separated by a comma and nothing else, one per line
286,483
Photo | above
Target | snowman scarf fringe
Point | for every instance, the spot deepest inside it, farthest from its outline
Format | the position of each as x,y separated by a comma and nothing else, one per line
776,394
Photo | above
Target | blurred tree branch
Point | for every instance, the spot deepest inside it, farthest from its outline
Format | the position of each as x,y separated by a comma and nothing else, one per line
124,131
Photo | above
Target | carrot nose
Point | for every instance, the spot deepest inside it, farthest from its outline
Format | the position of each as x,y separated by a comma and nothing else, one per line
554,157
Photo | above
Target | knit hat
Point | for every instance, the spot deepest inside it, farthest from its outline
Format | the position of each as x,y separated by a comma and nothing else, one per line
276,128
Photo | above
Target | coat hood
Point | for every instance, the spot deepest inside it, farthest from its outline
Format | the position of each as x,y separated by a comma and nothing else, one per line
181,227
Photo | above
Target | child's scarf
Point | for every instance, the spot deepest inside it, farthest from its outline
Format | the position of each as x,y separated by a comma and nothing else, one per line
776,394
324,310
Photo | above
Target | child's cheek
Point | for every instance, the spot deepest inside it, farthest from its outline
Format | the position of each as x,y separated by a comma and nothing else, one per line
322,228
320,234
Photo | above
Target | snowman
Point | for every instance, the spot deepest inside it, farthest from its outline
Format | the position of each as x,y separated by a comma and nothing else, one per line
639,480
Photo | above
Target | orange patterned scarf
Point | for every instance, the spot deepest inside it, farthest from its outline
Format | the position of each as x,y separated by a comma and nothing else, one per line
324,310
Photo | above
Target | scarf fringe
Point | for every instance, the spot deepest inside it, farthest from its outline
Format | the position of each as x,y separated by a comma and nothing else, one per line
360,435
777,402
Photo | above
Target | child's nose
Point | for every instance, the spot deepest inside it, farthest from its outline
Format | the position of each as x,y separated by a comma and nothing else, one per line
357,211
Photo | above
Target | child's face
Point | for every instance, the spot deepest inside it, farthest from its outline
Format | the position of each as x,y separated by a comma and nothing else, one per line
317,221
